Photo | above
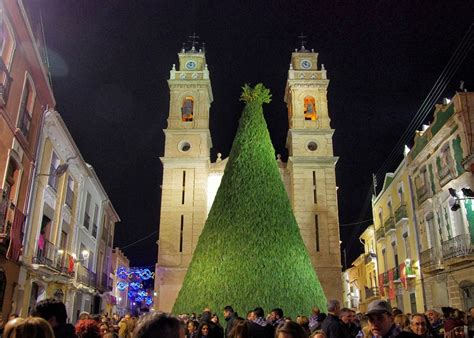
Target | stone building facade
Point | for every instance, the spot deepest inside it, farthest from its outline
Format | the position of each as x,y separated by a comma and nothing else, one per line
190,180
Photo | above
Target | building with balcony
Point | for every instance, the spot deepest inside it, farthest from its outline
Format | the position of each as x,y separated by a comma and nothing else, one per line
49,260
119,260
396,250
25,91
442,159
95,212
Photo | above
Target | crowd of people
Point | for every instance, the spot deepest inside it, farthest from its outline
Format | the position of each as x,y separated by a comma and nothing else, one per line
48,319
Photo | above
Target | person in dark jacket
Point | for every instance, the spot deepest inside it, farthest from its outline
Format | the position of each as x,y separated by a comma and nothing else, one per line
229,317
260,328
381,324
332,325
54,311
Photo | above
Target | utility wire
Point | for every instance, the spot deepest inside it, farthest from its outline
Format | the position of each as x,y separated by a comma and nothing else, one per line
140,240
457,58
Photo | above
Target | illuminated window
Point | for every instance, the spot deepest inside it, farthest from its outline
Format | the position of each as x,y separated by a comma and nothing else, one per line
187,109
26,107
310,109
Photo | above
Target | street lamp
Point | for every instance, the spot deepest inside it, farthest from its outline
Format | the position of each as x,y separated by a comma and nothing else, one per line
466,194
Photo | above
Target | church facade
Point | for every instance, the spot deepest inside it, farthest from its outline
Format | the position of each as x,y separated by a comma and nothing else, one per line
191,180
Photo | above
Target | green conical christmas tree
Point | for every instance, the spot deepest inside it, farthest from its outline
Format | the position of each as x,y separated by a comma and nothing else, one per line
250,252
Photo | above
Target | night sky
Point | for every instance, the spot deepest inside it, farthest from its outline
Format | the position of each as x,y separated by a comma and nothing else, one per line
110,61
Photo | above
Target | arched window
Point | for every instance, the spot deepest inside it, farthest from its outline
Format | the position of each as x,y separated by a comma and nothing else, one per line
187,109
310,109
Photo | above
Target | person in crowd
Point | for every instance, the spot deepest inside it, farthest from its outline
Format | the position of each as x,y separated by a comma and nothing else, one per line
290,329
419,325
87,328
396,311
159,325
316,319
470,322
54,311
229,317
251,315
402,321
218,327
436,322
84,315
346,317
303,321
259,327
31,327
318,334
192,327
215,331
276,317
381,324
332,325
239,329
124,327
204,330
105,331
453,319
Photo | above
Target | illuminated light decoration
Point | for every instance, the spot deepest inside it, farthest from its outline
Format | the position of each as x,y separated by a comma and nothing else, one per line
121,286
135,285
132,282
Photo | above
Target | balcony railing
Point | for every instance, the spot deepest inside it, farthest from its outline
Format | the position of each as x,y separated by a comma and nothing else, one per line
389,224
380,233
46,254
6,207
401,213
371,292
444,174
369,258
458,246
422,194
85,276
105,282
430,259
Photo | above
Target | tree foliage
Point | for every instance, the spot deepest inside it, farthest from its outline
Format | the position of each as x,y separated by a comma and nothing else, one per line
250,252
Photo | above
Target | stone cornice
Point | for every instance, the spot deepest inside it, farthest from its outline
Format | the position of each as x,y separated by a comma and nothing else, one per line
320,161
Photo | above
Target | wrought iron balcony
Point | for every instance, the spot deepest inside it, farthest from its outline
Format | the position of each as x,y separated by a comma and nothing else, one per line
370,258
431,259
422,194
389,224
459,246
371,292
86,277
401,213
46,254
380,233
445,175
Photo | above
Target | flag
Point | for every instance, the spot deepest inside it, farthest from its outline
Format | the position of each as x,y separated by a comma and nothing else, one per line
403,275
391,285
381,288
70,267
14,248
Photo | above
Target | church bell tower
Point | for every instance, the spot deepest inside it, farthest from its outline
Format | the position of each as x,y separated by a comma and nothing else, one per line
311,167
186,163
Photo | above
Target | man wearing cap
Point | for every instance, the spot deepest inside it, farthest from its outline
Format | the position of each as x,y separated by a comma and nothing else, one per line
380,316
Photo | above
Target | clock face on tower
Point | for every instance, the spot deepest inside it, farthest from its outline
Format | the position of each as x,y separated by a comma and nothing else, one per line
305,64
190,65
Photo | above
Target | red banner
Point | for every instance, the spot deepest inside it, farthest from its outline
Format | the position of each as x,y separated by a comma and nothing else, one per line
14,249
381,289
403,275
391,285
